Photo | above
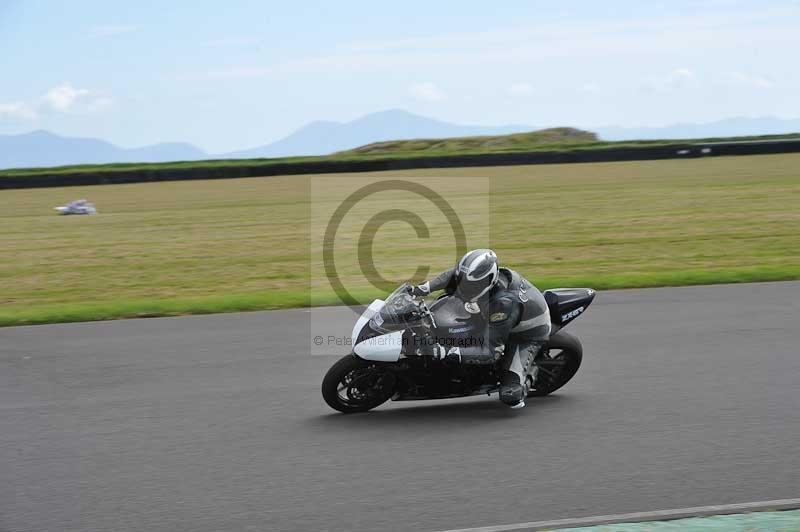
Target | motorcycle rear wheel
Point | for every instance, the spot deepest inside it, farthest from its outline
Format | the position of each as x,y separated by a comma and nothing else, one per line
355,385
558,364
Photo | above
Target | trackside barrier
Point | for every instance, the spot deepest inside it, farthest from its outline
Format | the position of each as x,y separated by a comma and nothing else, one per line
232,170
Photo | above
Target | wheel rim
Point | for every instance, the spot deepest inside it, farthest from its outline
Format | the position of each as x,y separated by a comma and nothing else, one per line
362,386
553,367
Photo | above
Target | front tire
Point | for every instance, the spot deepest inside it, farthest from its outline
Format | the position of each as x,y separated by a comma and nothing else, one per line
557,364
355,385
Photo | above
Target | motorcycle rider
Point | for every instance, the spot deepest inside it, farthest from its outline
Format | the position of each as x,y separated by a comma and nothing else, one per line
515,316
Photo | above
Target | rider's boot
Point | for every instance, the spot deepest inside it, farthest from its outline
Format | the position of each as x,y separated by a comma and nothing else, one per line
511,390
516,379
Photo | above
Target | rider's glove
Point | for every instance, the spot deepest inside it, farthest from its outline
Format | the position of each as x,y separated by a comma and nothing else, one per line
437,351
421,289
440,352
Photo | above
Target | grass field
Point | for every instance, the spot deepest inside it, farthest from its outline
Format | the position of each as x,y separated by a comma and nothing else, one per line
209,246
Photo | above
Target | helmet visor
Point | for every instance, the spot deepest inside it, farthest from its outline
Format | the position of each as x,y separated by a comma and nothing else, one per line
469,290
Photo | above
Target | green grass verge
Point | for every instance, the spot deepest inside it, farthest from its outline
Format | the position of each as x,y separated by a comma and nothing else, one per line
82,312
760,521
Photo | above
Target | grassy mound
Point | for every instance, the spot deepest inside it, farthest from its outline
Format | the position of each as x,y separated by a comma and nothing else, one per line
552,138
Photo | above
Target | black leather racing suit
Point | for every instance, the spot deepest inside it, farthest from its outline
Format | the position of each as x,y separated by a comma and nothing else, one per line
517,324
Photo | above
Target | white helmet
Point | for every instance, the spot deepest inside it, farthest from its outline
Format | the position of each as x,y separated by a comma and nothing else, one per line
476,274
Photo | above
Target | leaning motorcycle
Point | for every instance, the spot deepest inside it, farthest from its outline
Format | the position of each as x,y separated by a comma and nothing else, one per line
388,363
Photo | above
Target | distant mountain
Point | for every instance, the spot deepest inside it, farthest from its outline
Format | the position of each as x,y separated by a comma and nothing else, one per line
320,138
166,151
42,148
729,127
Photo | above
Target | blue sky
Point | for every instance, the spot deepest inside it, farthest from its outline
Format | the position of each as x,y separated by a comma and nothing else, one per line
230,75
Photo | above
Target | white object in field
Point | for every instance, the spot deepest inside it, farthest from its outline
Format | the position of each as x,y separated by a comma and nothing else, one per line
80,206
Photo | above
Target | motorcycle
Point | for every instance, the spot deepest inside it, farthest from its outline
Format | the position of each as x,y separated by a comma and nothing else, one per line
388,360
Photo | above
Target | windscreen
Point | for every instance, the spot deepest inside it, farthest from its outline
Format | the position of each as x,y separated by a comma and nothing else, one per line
400,311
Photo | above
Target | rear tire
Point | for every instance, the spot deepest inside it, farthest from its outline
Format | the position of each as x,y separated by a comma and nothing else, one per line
355,385
565,354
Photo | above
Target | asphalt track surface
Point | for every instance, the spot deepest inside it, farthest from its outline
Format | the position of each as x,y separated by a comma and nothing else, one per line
687,397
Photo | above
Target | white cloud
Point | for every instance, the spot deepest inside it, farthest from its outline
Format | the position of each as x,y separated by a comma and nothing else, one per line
759,82
631,43
678,78
427,91
520,47
592,87
65,96
112,30
17,111
520,89
99,103
687,32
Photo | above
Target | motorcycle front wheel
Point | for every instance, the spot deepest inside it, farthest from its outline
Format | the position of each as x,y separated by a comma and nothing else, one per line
356,385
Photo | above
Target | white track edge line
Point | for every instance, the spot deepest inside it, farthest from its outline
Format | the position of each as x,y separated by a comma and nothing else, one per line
641,516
